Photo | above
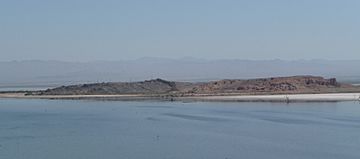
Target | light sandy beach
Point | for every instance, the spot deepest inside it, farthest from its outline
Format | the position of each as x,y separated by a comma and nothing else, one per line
330,97
285,98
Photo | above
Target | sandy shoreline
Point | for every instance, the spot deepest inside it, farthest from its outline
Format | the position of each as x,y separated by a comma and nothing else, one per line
22,95
329,97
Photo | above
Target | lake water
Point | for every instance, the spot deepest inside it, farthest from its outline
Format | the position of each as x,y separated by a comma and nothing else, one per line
29,88
66,129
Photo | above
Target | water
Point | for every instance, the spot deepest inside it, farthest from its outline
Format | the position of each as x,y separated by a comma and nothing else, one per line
65,129
28,88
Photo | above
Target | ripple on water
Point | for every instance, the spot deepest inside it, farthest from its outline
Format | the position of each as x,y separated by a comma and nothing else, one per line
196,117
309,122
20,137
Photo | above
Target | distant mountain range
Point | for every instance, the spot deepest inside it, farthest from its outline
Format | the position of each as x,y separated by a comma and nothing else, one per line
56,73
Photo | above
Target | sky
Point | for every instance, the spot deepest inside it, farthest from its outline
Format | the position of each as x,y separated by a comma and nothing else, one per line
88,30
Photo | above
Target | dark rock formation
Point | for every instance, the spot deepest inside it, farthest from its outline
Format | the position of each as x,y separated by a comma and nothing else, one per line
156,86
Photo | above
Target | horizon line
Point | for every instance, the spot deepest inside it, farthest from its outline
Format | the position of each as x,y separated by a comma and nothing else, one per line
180,58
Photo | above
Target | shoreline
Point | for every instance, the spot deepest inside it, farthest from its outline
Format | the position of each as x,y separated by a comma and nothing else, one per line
324,97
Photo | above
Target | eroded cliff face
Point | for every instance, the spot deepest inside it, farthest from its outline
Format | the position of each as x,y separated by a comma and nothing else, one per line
295,84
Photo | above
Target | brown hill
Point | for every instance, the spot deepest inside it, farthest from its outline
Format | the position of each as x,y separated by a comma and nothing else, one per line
278,85
295,84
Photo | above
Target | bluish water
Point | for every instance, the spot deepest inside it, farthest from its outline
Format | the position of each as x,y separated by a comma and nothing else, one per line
65,129
28,88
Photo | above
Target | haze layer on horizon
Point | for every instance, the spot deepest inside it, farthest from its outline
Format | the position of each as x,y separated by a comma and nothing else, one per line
89,30
57,73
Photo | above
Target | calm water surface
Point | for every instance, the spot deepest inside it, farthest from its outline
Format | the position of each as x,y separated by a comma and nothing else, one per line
65,129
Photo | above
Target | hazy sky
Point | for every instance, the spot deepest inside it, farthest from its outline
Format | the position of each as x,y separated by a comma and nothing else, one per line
85,30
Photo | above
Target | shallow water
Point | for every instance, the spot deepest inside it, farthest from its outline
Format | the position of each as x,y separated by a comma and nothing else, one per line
59,129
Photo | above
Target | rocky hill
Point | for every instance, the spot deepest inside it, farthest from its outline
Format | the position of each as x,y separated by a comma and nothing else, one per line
277,85
294,84
156,86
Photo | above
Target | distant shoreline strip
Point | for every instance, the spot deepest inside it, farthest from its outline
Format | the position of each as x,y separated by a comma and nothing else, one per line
329,97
